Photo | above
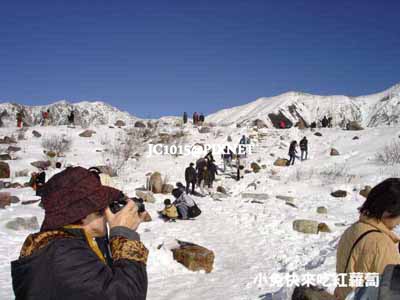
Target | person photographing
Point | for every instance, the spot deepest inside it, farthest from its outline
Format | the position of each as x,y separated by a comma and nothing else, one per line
63,261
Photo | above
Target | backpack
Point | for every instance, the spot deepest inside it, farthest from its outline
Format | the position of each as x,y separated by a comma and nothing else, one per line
194,211
389,286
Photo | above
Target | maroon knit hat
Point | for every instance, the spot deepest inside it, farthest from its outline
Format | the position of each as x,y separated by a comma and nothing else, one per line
72,195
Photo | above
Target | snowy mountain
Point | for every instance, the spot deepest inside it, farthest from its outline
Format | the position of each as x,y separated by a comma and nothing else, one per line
371,111
94,113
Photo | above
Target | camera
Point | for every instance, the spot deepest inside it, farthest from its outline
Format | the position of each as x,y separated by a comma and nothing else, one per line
119,204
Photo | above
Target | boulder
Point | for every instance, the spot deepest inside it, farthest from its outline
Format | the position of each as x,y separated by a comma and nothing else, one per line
147,196
354,125
140,124
259,123
322,210
204,130
156,183
356,138
365,191
247,171
5,200
13,149
5,157
167,188
318,134
4,170
15,200
322,227
8,140
281,162
290,204
306,226
87,133
222,190
229,139
23,224
42,165
334,152
120,123
255,166
285,198
258,196
36,134
147,217
339,194
311,293
194,257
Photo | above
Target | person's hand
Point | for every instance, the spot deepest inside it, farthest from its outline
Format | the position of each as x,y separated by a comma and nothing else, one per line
126,217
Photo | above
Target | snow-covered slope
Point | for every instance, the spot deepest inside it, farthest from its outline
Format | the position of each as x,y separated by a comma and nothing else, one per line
373,110
93,113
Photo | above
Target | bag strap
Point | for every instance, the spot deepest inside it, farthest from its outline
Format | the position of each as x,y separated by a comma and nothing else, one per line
355,244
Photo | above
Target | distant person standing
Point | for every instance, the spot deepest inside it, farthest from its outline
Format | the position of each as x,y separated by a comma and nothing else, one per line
190,178
71,118
201,119
20,118
195,118
282,124
330,122
227,157
46,118
292,152
185,117
304,148
324,122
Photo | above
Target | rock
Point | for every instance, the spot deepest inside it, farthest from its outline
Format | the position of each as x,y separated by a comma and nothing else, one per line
318,134
87,133
156,183
120,123
194,257
4,170
23,224
339,194
322,210
334,152
15,200
365,191
306,226
354,126
28,202
222,190
42,165
204,130
5,200
5,157
311,293
140,124
167,188
259,123
290,204
258,196
281,162
2,184
8,140
15,185
147,217
229,139
247,171
322,227
147,196
36,134
51,154
13,149
255,166
285,198
356,138
263,166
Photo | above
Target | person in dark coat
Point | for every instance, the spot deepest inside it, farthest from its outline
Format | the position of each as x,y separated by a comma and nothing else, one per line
195,118
292,152
227,157
211,172
71,118
62,261
201,119
304,148
190,178
313,125
324,122
210,156
20,118
185,117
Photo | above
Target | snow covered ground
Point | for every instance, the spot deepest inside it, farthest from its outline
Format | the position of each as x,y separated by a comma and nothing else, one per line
248,239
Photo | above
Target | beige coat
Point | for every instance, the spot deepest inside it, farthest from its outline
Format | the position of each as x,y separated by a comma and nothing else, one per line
371,255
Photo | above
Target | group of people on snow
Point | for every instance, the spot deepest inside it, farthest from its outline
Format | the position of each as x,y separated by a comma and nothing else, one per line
198,119
45,120
293,150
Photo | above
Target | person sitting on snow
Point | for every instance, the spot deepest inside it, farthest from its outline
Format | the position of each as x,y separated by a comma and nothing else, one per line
186,206
169,213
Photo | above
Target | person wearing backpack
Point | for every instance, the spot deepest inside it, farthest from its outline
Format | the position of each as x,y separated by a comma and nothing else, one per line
304,148
369,245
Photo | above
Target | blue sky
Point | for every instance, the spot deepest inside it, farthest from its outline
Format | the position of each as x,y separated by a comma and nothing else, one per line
156,58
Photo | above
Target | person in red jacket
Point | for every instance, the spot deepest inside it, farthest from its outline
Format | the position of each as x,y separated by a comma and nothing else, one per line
282,124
